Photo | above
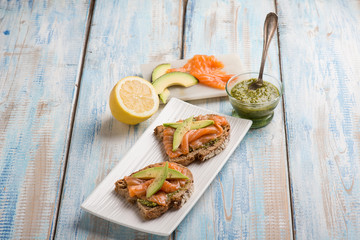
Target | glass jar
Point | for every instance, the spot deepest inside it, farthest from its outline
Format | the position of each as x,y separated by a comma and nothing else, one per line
260,113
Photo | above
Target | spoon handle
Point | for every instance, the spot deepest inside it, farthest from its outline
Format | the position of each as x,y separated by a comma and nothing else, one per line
270,25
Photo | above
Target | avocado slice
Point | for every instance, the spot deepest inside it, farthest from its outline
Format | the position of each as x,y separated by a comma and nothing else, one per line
158,181
194,125
180,132
153,172
164,95
174,78
159,70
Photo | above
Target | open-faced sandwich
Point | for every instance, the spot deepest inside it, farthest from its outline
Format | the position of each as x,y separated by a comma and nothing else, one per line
157,188
193,139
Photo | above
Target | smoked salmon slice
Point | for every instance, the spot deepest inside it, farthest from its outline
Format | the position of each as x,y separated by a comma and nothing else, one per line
139,189
160,198
207,69
130,181
193,135
176,167
169,187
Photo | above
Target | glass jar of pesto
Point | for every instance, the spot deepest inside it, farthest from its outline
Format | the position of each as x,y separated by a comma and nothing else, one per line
257,105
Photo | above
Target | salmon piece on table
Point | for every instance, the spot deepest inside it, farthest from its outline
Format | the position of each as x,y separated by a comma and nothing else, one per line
207,69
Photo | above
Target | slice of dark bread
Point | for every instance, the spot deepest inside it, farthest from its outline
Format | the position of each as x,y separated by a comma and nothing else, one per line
175,200
200,154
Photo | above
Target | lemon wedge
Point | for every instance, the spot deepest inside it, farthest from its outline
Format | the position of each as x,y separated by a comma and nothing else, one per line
133,100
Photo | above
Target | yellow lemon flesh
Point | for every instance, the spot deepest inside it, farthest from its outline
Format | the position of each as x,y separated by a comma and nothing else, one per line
133,100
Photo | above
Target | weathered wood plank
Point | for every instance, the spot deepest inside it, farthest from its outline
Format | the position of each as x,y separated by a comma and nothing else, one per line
250,197
124,34
40,48
320,46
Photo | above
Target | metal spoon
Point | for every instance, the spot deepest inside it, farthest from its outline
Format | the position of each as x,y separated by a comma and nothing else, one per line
270,25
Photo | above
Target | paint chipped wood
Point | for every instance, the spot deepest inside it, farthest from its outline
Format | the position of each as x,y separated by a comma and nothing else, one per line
39,57
320,62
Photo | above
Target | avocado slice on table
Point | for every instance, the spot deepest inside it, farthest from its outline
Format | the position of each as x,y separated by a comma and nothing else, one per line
153,172
158,71
174,78
164,95
158,181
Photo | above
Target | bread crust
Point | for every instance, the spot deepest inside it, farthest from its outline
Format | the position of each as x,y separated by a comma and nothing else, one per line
176,201
201,154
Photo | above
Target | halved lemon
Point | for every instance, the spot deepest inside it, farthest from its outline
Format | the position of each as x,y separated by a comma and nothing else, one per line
133,100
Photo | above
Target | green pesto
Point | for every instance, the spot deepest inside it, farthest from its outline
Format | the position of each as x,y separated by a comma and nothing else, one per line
147,203
210,143
267,93
169,195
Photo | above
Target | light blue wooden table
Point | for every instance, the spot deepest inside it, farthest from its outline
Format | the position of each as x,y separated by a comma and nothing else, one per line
299,177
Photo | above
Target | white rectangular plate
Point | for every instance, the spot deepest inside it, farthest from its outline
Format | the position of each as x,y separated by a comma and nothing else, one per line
104,202
232,65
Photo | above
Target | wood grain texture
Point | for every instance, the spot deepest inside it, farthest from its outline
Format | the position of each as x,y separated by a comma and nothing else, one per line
320,46
250,197
124,35
41,44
